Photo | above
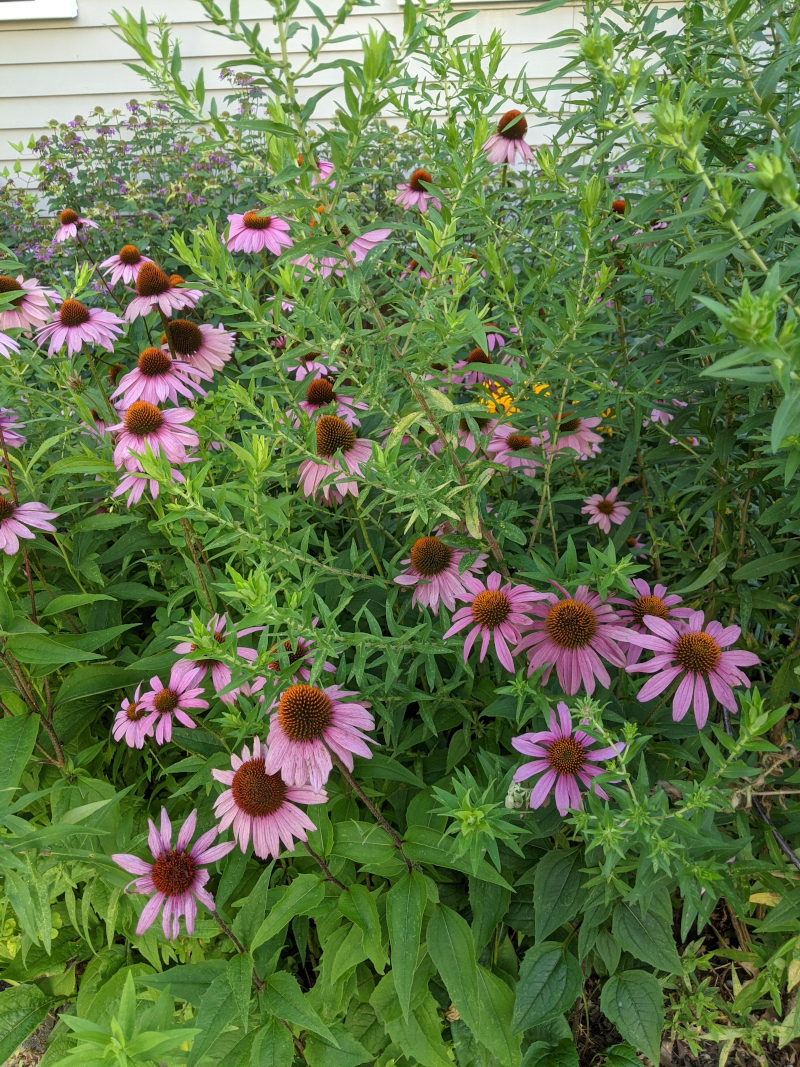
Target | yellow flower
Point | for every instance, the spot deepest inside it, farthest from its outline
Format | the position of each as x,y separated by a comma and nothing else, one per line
498,398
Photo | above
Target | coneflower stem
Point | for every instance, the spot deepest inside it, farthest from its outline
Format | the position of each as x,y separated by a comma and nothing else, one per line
98,383
187,533
240,947
398,844
325,868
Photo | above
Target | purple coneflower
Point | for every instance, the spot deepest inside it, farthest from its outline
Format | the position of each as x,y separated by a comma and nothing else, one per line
478,368
413,194
320,393
578,434
176,877
301,660
572,634
563,759
17,520
513,449
9,424
156,290
648,601
309,363
30,307
687,649
134,484
606,509
156,378
146,426
434,569
133,722
262,806
496,613
256,233
308,725
220,672
70,225
176,698
509,141
466,438
8,345
203,349
125,265
75,324
635,546
334,435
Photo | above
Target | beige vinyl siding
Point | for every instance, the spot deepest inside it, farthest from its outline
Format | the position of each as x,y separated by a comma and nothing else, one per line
56,69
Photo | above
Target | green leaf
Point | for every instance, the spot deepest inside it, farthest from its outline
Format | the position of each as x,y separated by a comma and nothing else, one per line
273,1046
405,906
358,905
557,895
647,937
419,1035
240,978
217,1009
474,992
301,897
347,1052
71,600
22,1008
284,998
91,680
422,844
489,905
776,563
190,981
17,739
550,979
634,1002
44,651
545,1054
251,913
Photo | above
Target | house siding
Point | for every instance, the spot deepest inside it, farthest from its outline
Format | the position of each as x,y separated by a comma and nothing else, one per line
59,68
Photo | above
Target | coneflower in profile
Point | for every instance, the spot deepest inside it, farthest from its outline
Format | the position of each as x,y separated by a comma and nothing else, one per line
333,436
509,141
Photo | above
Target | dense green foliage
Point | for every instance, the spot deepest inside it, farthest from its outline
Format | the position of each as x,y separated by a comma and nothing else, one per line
641,273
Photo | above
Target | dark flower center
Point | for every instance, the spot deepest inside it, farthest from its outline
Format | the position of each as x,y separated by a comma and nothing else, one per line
569,426
631,542
518,441
298,654
134,712
429,556
256,792
320,392
176,279
417,177
649,605
154,361
173,872
73,313
304,712
186,337
11,285
606,507
482,424
697,652
130,255
619,207
68,216
571,624
142,419
151,280
166,701
252,221
490,608
477,355
566,755
513,125
114,372
333,435
7,508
